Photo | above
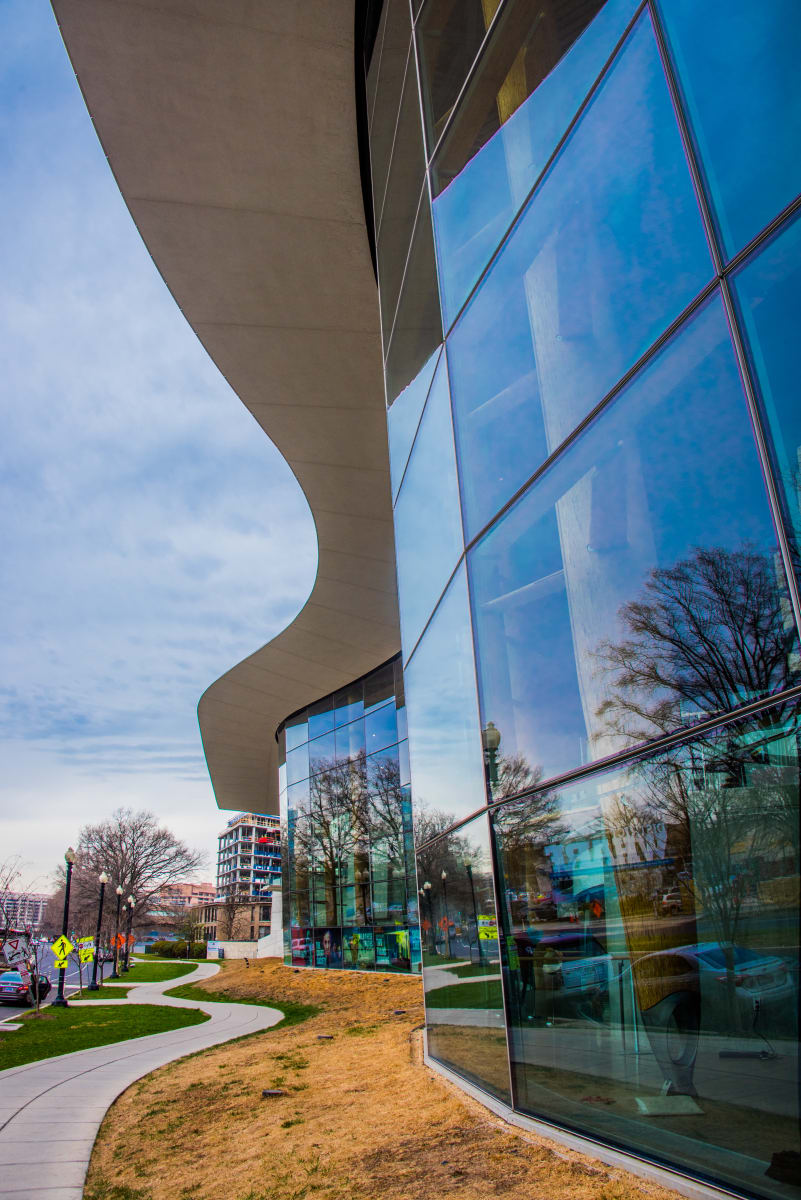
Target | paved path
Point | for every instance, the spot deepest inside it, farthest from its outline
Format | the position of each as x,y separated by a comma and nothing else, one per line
50,1111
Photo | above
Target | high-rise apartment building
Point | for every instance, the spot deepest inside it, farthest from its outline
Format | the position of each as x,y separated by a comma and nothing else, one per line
553,461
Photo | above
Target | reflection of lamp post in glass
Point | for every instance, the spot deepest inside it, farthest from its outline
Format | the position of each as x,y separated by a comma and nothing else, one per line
491,740
426,891
444,878
93,987
69,859
131,904
468,866
115,973
363,878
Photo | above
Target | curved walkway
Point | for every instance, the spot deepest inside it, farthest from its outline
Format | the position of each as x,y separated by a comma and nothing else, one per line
50,1111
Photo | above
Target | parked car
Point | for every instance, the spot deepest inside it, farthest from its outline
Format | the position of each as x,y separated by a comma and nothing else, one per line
19,987
671,903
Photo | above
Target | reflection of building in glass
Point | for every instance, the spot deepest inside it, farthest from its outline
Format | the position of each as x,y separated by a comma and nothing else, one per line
585,224
350,897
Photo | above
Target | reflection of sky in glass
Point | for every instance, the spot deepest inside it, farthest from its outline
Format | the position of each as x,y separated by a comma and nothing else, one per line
381,728
768,289
428,525
474,211
444,735
667,471
610,249
738,66
403,417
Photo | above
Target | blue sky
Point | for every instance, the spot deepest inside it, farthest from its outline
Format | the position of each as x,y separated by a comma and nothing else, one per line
151,536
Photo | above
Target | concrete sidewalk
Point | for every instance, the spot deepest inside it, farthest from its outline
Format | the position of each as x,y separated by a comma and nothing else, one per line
50,1111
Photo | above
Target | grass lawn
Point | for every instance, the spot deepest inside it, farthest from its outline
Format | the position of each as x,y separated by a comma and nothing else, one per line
103,993
476,994
62,1030
157,972
470,969
293,1012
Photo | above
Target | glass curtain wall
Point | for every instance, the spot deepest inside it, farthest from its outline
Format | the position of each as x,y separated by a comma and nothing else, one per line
350,894
589,284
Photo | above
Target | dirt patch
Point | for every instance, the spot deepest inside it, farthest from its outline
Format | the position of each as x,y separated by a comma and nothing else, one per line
361,1117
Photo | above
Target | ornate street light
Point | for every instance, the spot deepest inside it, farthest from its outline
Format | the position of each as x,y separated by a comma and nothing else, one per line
115,973
93,986
131,905
444,878
69,859
425,891
468,866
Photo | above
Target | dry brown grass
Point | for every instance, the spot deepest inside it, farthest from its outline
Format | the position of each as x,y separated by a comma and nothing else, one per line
362,1119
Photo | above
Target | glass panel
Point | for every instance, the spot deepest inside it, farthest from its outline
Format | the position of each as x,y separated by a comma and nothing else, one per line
404,417
406,176
651,924
448,38
737,64
350,741
768,291
322,752
381,728
301,952
609,251
359,948
404,764
444,739
499,140
636,587
296,731
379,687
349,704
428,523
282,777
375,63
321,717
465,1023
297,765
418,326
391,71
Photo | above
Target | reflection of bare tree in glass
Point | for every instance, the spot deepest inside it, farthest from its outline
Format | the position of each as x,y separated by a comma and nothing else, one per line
388,816
712,632
329,833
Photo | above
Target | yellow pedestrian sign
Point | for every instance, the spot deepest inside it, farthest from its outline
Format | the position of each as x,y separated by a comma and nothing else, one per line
62,964
61,948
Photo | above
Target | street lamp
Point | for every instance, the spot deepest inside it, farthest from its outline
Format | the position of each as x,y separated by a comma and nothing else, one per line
468,866
444,877
491,740
115,973
93,986
426,891
69,859
131,904
363,878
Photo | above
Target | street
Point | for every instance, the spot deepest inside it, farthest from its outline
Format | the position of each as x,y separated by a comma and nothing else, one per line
9,1012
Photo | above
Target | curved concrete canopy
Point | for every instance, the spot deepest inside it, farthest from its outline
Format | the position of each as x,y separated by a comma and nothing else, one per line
230,127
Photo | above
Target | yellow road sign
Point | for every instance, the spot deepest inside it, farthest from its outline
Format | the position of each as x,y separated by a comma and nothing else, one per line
62,964
87,954
62,946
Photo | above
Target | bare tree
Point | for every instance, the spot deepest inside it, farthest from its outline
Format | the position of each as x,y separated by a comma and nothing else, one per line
231,916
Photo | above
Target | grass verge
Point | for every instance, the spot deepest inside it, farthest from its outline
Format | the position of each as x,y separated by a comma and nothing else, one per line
103,993
293,1012
477,993
157,972
63,1030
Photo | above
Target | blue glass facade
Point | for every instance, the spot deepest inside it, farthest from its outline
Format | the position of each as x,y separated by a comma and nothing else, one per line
588,296
349,889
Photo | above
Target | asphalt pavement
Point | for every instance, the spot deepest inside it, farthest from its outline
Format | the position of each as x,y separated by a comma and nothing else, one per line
8,1012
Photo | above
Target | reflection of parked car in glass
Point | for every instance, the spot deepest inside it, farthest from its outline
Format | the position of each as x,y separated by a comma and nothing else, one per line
564,973
671,903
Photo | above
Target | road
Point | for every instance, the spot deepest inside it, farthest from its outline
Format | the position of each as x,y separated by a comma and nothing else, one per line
9,1011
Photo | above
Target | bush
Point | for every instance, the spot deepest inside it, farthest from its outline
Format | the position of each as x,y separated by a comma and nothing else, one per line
198,950
179,949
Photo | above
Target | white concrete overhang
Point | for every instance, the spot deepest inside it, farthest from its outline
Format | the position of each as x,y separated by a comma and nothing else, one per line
230,126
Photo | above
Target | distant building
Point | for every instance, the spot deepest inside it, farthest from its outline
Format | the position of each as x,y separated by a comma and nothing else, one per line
248,870
22,910
181,896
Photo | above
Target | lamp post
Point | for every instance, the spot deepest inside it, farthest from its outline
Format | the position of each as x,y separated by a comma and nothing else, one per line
468,866
69,859
363,878
93,986
426,892
131,904
444,878
115,973
491,740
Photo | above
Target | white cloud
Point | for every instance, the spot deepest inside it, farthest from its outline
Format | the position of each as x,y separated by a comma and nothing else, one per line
144,512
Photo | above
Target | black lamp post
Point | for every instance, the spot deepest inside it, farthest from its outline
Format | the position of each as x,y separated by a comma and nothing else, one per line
444,878
491,740
115,973
93,986
69,859
426,891
468,866
131,903
363,878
